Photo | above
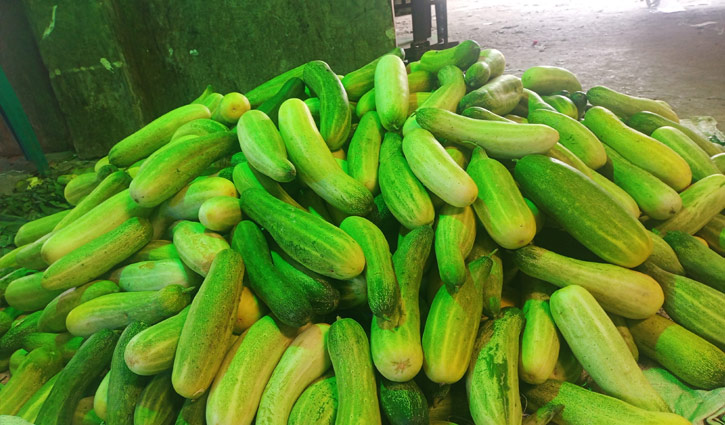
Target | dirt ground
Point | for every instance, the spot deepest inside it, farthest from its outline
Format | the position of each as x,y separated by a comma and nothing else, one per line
677,56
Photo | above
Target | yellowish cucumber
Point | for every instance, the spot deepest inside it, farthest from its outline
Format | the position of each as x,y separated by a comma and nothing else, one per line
698,160
454,237
363,152
186,203
701,202
34,230
220,213
539,340
391,92
152,350
232,106
625,105
28,294
550,79
197,246
451,91
263,146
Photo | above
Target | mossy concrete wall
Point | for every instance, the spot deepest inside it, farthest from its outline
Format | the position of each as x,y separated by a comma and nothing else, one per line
115,65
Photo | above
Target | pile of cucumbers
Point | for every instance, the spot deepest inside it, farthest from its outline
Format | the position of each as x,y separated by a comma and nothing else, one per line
437,243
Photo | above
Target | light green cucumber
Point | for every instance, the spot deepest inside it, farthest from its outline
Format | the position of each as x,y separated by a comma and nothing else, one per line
317,405
499,95
698,160
154,275
54,314
574,136
115,182
186,203
539,340
27,293
152,350
454,237
363,153
37,368
263,146
197,246
359,81
700,263
220,213
647,122
34,230
701,202
461,55
663,256
391,92
550,79
447,96
625,105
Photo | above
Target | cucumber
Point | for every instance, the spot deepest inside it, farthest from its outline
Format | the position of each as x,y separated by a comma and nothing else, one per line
364,105
698,160
363,153
8,277
647,122
245,177
335,116
220,213
462,56
263,146
714,233
124,386
84,413
27,294
197,246
620,196
193,411
116,182
574,136
700,262
640,149
495,60
315,164
360,81
152,350
621,325
105,217
563,105
586,407
451,326
500,139
625,106
158,403
539,340
100,398
323,297
430,162
7,316
239,384
315,243
36,229
579,205
158,249
655,198
35,370
534,102
13,338
80,186
317,405
186,203
232,106
76,378
197,128
595,342
454,237
624,292
208,326
479,113
98,256
550,79
294,87
701,202
284,299
568,368
477,75
663,256
64,344
54,314
403,403
383,291
692,304
163,175
493,287
397,351
266,90
303,362
402,192
499,95
30,256
685,354
391,92
718,160
154,135
212,102
114,311
30,409
500,205
154,275
543,415
349,352
447,96
492,380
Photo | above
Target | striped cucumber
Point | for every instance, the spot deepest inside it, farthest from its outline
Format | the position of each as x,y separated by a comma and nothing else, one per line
154,275
335,115
500,95
403,403
625,105
701,202
454,237
698,160
35,229
185,204
574,135
700,262
647,122
539,340
30,409
391,92
54,314
220,213
317,405
714,233
193,412
663,256
37,368
124,386
363,153
152,350
197,247
158,404
263,146
27,293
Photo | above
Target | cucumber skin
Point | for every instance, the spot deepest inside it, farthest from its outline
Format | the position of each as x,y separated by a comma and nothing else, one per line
701,202
124,386
317,405
391,92
156,345
403,403
55,313
700,262
335,115
499,95
546,80
34,230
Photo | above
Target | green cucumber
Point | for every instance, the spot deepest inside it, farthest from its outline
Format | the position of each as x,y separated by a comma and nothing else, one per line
197,246
323,297
430,162
363,153
335,116
54,314
454,237
403,403
640,149
266,90
34,230
397,351
364,105
208,325
563,105
7,316
37,368
294,87
193,411
349,352
154,275
240,382
499,95
30,255
30,409
315,243
685,354
115,182
663,256
263,146
595,342
574,136
539,340
483,114
535,102
64,344
586,407
585,210
495,60
714,234
701,202
98,256
500,139
477,75
383,291
647,122
621,291
625,106
186,203
403,193
158,404
6,279
27,293
152,350
492,380
75,379
500,206
317,405
698,160
692,304
550,79
360,81
80,186
245,177
114,311
13,338
284,299
124,386
391,92
461,55
303,362
447,96
196,128
700,262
